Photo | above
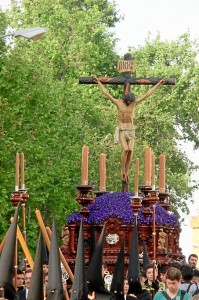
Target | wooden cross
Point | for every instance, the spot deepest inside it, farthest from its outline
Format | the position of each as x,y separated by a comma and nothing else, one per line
126,67
123,80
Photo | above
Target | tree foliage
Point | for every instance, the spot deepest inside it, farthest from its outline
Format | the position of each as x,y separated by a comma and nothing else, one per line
49,116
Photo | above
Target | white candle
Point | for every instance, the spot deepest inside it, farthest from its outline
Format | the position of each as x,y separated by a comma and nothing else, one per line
17,172
22,172
147,166
153,171
136,176
162,173
102,172
85,151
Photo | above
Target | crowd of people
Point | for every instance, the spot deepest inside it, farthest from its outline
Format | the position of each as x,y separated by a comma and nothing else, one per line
22,280
179,281
43,281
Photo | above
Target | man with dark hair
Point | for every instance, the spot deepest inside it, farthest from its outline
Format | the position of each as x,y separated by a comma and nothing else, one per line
162,277
126,288
19,280
45,266
187,283
193,260
143,277
126,115
176,264
151,284
126,295
162,273
173,279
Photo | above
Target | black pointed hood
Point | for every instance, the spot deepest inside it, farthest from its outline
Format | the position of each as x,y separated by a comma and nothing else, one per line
92,242
79,288
146,260
36,284
55,285
44,251
7,260
134,264
117,284
94,272
7,255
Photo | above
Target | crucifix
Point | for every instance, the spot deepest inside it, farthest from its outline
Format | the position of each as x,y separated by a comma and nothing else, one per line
125,131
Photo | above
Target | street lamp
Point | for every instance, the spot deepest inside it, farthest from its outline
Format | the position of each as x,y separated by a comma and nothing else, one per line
29,33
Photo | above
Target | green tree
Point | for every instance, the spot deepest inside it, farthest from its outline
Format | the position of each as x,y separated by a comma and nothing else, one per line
45,113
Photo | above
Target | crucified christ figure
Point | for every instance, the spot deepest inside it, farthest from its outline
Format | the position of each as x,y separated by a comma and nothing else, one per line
126,114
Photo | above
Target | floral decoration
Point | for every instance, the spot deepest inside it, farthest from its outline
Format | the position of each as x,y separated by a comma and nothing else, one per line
118,204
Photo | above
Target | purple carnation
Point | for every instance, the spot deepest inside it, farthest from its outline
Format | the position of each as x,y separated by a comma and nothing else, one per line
118,204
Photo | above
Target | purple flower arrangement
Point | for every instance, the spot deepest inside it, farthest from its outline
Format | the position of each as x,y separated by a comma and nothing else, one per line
118,204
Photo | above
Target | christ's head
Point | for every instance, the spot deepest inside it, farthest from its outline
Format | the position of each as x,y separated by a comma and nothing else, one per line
128,98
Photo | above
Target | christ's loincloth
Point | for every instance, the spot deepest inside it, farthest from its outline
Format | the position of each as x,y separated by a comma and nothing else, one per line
128,134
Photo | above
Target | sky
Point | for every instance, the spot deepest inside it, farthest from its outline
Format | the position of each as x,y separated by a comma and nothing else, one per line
170,19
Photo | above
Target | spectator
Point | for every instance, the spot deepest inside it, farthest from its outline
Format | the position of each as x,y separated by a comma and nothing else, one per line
143,277
126,288
18,282
24,293
151,284
187,284
173,279
45,266
193,260
162,277
176,264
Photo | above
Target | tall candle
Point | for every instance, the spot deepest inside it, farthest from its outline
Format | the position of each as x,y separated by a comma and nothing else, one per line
162,173
22,172
85,165
154,234
17,172
147,166
153,171
102,172
136,176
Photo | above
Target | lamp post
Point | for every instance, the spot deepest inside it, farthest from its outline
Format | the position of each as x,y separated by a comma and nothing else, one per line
28,33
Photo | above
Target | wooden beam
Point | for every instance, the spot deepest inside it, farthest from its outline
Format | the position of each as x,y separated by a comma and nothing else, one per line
24,247
123,80
47,240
